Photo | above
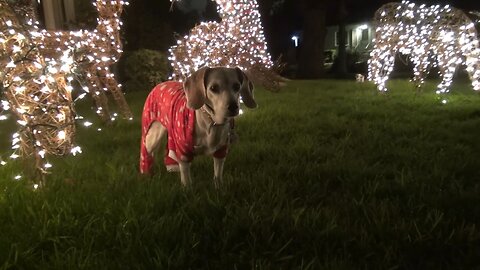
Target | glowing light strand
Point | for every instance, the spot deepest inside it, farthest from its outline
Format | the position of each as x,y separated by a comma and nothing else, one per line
95,51
431,35
36,90
37,69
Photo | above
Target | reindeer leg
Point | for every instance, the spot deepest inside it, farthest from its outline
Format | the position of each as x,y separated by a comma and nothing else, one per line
382,67
420,70
109,81
98,95
447,70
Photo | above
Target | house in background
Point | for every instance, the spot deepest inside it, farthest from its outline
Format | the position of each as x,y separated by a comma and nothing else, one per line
359,41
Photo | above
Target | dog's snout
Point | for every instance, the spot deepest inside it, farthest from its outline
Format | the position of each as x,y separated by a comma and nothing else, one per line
233,108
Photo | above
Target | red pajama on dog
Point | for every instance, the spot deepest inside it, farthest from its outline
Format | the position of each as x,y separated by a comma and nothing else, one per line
167,104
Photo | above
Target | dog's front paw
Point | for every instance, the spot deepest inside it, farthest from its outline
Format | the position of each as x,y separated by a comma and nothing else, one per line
172,168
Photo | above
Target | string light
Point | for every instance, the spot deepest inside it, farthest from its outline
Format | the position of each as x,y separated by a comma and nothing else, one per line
238,40
95,51
440,36
36,91
39,67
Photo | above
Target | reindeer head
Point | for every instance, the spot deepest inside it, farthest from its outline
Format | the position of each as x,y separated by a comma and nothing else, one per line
230,10
109,8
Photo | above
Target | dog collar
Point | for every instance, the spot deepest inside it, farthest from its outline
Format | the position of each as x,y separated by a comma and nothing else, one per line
206,109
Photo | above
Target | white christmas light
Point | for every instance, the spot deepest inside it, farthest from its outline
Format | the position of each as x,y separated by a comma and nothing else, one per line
97,50
237,41
38,70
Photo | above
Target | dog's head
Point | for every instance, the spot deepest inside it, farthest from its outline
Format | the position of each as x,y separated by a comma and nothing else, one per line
219,89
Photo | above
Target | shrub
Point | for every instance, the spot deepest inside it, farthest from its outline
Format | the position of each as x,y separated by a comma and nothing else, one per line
143,69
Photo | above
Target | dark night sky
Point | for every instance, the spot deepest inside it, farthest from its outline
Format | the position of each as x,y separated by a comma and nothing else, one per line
357,10
365,7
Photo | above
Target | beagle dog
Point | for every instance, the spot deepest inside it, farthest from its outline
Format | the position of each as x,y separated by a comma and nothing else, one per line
197,117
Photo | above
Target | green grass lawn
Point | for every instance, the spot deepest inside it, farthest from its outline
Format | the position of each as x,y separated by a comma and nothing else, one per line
326,175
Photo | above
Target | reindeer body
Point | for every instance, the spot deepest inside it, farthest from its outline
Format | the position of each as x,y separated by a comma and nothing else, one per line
95,51
444,34
39,98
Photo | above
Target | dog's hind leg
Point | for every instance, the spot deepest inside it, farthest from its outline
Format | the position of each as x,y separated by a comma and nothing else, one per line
153,138
149,145
154,135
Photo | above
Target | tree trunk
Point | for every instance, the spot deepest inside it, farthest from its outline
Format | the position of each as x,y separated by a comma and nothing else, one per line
341,61
310,64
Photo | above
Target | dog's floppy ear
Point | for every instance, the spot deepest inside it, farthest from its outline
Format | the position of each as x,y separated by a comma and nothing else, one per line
246,90
195,88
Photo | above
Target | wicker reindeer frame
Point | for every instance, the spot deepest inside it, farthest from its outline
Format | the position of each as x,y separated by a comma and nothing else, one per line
94,51
37,91
37,68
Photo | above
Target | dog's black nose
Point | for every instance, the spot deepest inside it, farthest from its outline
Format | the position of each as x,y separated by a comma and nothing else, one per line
233,108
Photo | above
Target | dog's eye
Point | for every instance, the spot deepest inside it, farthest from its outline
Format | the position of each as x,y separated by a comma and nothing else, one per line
236,87
214,88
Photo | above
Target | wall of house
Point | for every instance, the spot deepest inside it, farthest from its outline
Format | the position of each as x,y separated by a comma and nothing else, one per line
359,38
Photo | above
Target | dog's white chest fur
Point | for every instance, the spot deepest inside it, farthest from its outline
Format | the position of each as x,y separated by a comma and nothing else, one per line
209,140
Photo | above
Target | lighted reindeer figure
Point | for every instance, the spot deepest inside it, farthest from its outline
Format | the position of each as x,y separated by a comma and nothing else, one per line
237,40
37,91
444,34
95,52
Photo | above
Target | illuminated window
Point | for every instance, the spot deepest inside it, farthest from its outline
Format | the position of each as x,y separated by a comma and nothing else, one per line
365,35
